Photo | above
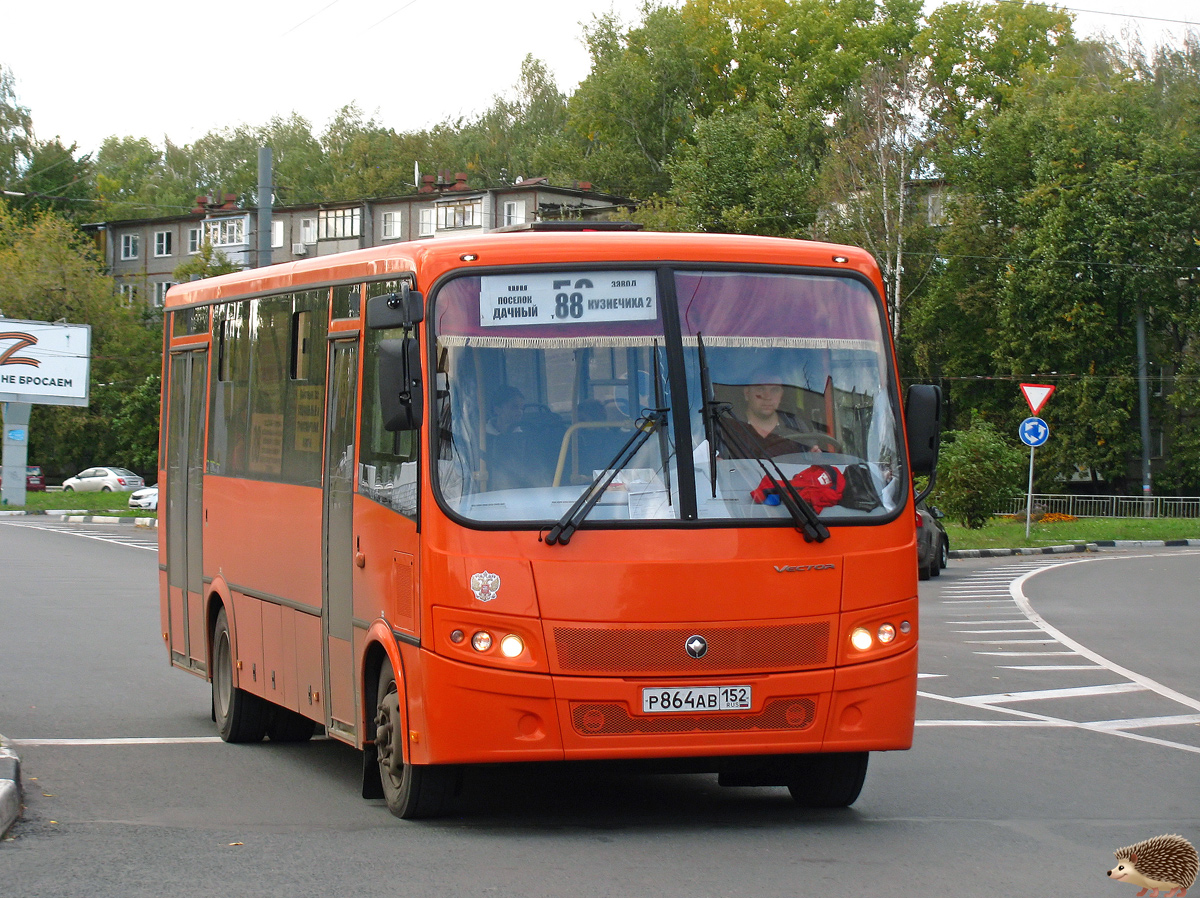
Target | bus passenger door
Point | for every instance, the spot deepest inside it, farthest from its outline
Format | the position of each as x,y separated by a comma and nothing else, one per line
185,508
338,534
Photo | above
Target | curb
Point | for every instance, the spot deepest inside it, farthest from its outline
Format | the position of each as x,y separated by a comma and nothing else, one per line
1033,550
1077,547
81,518
10,787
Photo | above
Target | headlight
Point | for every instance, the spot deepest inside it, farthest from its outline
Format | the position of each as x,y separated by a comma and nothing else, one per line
511,646
861,639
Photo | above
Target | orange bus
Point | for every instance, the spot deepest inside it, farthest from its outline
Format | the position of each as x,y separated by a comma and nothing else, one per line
549,495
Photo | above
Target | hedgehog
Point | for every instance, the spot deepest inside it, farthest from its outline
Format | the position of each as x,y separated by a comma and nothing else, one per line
1164,862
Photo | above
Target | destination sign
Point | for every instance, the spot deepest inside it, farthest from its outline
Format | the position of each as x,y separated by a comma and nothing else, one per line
575,297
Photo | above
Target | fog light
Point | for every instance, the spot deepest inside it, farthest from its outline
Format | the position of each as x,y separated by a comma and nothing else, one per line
905,626
886,633
457,636
511,646
481,641
860,639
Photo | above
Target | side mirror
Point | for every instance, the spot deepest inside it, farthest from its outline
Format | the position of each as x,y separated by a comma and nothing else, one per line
923,421
401,398
403,309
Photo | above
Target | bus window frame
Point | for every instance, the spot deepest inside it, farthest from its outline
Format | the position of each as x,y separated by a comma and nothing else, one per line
665,270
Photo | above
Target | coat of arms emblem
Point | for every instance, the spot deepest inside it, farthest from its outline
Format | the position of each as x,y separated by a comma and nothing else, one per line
485,585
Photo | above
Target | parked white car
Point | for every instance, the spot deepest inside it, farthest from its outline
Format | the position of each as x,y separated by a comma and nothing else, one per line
147,497
103,480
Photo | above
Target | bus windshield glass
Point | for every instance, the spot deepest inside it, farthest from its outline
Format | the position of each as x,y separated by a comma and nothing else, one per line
543,377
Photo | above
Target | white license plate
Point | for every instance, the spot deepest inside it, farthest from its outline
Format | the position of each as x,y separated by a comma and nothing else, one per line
656,700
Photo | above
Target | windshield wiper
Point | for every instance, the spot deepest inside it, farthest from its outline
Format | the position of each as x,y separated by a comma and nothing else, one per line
708,412
561,532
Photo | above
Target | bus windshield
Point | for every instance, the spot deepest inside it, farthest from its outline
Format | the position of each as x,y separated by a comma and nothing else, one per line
543,377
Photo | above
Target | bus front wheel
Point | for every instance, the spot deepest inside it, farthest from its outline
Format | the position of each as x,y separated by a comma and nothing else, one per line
412,791
240,716
829,780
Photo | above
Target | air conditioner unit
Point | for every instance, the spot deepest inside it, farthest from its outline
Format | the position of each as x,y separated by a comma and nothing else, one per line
299,249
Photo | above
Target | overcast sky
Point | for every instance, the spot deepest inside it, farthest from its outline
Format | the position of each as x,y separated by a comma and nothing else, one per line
153,69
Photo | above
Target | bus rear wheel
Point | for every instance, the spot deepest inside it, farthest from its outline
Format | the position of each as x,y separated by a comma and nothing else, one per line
240,716
412,791
828,781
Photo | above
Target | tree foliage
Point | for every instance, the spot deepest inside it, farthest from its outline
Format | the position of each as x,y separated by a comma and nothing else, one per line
978,472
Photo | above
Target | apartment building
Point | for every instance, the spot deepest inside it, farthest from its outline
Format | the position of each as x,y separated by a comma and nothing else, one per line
142,254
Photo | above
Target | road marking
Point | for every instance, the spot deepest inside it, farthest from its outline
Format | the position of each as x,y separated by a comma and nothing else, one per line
1051,667
1058,721
1016,589
1023,654
111,538
1039,694
125,740
1141,722
978,632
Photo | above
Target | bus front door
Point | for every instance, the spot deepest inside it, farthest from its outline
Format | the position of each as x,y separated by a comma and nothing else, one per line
185,508
338,534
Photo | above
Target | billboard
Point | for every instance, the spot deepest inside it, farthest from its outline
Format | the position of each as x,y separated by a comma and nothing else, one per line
44,364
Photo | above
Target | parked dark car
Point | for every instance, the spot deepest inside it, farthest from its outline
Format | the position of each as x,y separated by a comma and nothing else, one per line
933,545
34,481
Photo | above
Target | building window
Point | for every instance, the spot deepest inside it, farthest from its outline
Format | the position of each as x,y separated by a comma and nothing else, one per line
425,223
276,233
226,231
128,293
391,225
460,215
195,240
339,224
308,230
160,292
130,246
514,213
163,243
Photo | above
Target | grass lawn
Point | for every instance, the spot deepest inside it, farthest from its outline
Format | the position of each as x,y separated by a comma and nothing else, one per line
89,503
1001,533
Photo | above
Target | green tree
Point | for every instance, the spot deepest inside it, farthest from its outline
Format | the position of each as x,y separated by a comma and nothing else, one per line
206,263
135,179
16,130
48,272
978,472
57,179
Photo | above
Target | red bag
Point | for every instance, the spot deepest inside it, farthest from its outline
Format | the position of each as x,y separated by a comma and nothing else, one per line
819,485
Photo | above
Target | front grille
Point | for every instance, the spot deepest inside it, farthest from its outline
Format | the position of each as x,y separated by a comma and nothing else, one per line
625,652
612,719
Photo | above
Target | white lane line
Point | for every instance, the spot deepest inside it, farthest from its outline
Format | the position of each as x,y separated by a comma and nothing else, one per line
1023,654
1029,629
999,698
1050,667
126,740
1060,724
1058,721
998,598
1016,589
1135,723
922,676
1009,641
103,539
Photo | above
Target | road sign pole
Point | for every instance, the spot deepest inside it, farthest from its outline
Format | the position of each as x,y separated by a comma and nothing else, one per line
1029,494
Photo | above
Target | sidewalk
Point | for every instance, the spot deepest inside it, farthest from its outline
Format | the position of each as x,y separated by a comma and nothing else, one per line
10,787
81,516
1076,547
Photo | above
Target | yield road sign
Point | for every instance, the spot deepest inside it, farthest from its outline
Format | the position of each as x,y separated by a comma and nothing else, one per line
1033,432
1036,395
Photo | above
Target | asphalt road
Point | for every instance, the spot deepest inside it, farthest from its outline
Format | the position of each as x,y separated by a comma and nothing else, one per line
1040,750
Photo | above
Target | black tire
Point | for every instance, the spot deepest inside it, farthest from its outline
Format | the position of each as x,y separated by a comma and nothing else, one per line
924,571
412,791
944,553
288,726
240,716
935,565
106,489
829,781
68,489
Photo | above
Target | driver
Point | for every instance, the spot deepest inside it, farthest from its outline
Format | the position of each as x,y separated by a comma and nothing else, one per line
768,431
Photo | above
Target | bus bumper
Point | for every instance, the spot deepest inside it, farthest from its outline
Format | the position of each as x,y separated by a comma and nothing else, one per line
483,715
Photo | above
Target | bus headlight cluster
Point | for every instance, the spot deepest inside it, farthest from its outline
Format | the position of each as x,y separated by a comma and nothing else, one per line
511,645
863,639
